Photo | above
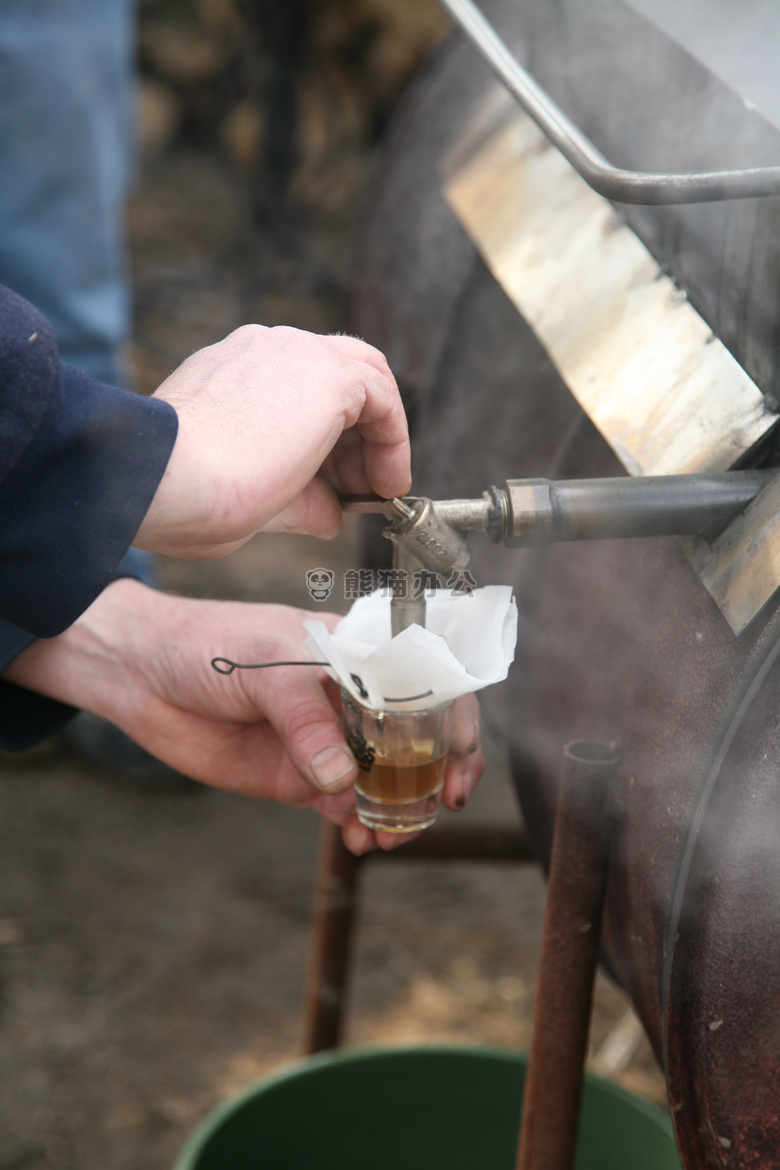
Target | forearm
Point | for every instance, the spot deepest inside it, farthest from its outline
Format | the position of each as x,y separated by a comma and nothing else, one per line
142,660
94,664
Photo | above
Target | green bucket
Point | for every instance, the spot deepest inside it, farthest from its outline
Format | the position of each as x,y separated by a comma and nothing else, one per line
437,1108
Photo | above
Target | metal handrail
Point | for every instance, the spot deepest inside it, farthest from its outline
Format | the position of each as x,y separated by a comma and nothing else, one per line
612,182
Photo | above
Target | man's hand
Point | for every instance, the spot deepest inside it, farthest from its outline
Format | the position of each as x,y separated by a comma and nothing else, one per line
272,424
142,660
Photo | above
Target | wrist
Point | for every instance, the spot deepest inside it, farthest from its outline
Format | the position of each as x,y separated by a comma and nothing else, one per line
97,663
174,513
184,518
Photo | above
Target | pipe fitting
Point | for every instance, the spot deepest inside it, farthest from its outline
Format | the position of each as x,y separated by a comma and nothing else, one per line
436,544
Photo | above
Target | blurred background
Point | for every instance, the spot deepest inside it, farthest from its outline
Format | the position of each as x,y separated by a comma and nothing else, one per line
153,942
259,121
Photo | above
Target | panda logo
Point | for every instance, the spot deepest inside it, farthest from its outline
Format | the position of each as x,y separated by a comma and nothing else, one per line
319,582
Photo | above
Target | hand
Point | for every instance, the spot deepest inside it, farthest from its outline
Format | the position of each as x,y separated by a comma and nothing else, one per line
272,424
142,660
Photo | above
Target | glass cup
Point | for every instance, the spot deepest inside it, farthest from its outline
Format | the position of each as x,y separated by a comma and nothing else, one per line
402,757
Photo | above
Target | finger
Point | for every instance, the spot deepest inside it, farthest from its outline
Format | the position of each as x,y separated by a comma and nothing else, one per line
381,422
465,763
344,468
387,463
298,708
357,838
357,464
314,512
388,841
338,809
461,778
360,351
466,727
237,757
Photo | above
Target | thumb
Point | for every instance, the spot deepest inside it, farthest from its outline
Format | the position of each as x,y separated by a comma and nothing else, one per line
310,730
315,511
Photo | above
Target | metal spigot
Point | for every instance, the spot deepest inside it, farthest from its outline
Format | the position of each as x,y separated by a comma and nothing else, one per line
431,535
422,541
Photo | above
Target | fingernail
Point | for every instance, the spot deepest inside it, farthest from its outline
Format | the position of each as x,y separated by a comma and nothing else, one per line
469,784
331,765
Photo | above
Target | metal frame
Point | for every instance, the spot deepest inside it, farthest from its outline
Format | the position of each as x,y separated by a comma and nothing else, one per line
336,890
579,868
612,182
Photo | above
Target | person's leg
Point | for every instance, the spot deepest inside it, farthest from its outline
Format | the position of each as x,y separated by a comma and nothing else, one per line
65,152
66,145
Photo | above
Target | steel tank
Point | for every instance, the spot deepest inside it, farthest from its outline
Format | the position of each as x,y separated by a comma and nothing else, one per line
618,640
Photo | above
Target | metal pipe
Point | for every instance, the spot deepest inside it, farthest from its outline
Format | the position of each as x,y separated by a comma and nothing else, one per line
335,897
469,843
335,905
406,609
540,511
570,946
466,515
612,182
429,536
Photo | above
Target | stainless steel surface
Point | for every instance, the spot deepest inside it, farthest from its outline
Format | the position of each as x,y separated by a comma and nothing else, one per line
663,390
736,42
621,186
643,364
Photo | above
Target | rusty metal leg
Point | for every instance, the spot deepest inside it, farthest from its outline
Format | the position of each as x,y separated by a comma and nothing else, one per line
570,943
334,904
463,843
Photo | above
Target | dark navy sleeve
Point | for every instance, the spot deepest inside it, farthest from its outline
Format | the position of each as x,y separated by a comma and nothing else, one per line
26,717
79,465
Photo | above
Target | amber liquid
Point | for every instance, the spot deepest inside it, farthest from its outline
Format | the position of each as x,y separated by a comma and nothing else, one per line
388,783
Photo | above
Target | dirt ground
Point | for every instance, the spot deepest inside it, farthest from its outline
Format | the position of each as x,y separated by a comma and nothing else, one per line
153,944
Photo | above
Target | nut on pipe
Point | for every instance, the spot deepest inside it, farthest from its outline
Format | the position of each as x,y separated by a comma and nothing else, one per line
528,512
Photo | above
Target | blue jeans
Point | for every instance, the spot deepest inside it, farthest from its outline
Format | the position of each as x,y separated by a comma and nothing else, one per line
66,132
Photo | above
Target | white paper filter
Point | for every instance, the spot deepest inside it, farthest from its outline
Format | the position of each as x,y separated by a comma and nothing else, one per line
468,644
